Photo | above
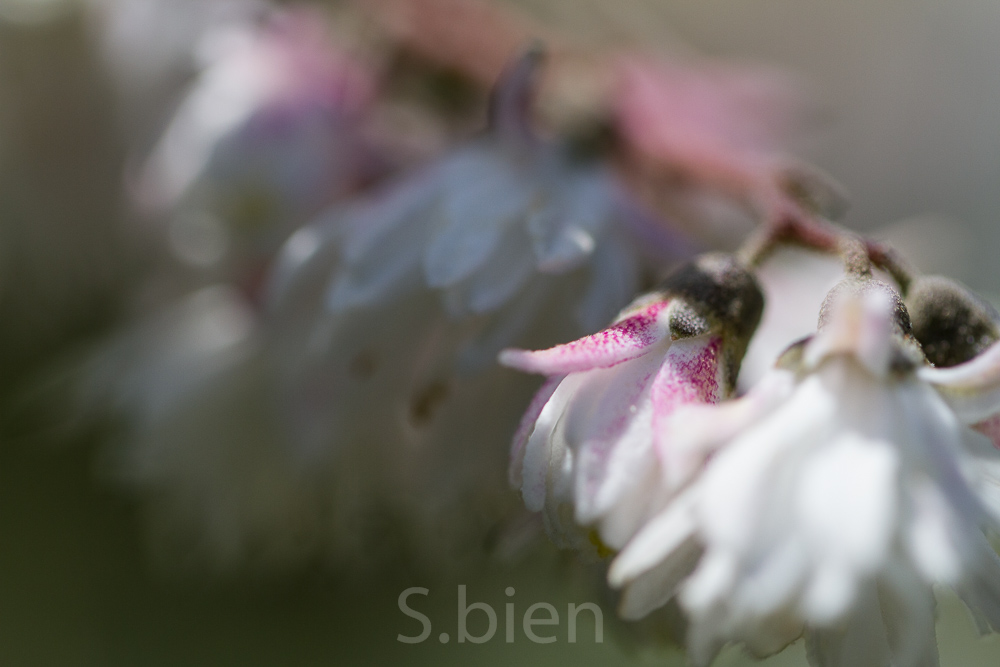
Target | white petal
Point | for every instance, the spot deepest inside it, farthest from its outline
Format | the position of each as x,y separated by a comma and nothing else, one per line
774,580
980,589
609,425
614,479
563,232
507,271
907,605
972,389
697,430
795,282
527,428
740,478
829,594
655,587
382,251
534,472
657,543
704,638
711,582
847,502
635,506
860,642
928,535
935,440
557,512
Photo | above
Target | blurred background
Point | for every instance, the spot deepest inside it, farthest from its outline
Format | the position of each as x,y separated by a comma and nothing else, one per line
904,112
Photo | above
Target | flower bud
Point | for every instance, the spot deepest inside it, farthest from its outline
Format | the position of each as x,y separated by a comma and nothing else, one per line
952,324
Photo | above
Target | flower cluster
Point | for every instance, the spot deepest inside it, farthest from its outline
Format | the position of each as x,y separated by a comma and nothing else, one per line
313,370
361,233
314,351
827,502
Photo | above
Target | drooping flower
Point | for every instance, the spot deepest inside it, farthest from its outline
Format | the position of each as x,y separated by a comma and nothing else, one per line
586,453
830,506
403,300
267,135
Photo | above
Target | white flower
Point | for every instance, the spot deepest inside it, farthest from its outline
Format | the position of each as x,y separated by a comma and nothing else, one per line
845,493
265,137
586,452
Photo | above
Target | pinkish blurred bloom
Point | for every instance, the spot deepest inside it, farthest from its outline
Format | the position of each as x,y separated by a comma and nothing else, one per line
266,136
587,452
715,126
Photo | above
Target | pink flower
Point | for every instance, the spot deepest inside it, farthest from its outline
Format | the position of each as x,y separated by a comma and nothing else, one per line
586,452
714,119
717,130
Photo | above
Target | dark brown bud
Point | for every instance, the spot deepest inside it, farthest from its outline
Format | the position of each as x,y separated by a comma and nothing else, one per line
951,323
717,288
716,293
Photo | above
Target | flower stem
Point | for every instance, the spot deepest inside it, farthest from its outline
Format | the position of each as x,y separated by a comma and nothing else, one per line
797,227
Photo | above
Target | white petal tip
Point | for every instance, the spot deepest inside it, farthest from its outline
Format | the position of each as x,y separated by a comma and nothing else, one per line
516,358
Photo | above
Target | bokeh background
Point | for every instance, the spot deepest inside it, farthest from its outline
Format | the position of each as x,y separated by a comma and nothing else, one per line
908,120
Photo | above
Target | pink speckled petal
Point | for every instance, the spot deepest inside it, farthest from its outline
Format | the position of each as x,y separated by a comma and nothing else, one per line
627,339
690,374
